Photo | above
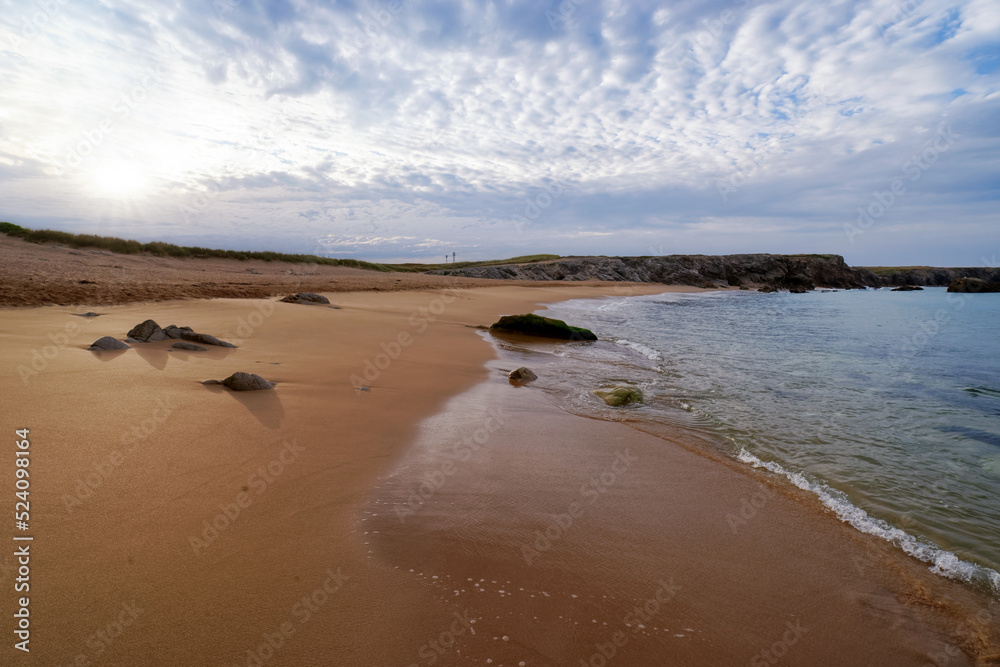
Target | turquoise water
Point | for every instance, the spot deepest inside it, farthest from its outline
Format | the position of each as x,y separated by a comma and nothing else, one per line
884,404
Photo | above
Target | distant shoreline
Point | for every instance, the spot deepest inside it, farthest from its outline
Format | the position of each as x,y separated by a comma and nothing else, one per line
39,274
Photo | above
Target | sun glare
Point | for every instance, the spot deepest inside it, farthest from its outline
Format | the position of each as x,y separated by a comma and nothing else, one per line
117,178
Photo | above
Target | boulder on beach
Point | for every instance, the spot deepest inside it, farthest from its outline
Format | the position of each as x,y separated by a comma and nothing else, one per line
307,298
767,289
190,347
241,381
108,343
522,374
174,331
620,396
907,288
545,327
147,332
973,285
150,332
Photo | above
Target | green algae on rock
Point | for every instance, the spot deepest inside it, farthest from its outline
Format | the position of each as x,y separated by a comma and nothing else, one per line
536,325
620,396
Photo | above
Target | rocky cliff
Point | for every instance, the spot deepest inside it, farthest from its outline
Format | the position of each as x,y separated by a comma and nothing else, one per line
758,270
933,276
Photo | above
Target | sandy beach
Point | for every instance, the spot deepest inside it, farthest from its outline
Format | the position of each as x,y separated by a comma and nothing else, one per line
34,274
182,524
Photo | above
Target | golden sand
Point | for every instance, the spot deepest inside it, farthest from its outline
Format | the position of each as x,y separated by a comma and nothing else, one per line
182,524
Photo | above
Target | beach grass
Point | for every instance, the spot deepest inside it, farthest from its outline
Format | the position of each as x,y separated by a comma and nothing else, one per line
161,249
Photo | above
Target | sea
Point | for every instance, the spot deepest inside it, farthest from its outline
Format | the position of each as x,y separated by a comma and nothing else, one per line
885,405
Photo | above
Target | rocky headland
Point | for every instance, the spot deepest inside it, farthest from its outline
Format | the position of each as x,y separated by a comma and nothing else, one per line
772,272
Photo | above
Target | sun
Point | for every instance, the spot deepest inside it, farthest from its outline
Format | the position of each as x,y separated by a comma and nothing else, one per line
118,178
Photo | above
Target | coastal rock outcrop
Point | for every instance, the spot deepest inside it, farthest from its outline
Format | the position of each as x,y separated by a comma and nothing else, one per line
522,374
150,332
907,288
108,343
973,285
545,327
930,276
241,381
147,332
174,331
786,272
307,298
620,396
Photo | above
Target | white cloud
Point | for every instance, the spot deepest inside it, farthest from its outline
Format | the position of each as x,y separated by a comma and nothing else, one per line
440,120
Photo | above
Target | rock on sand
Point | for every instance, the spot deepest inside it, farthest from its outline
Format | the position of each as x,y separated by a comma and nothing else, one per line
241,381
620,396
108,343
522,374
306,297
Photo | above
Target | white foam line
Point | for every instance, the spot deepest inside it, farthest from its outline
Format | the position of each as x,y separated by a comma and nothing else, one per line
942,562
645,351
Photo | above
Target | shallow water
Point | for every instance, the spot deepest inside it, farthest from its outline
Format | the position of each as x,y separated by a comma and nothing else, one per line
884,404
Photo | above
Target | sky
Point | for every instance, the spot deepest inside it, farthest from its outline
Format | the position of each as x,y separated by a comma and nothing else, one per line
407,130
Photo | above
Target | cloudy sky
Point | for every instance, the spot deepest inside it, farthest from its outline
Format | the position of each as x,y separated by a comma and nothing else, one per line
410,129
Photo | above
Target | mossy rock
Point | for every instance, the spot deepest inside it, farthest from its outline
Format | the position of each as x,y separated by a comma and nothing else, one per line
620,396
546,327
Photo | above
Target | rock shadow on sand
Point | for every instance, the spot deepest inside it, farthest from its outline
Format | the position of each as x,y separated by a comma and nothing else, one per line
265,406
158,354
106,355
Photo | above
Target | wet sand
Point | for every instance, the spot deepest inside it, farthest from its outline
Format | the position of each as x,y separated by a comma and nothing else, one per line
563,533
179,524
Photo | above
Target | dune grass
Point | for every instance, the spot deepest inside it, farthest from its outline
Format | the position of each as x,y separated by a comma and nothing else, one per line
160,249
523,259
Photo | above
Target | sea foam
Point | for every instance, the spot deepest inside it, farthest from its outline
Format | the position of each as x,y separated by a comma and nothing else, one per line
942,562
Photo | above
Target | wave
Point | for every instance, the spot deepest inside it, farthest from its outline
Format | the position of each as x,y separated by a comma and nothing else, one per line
644,350
942,562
